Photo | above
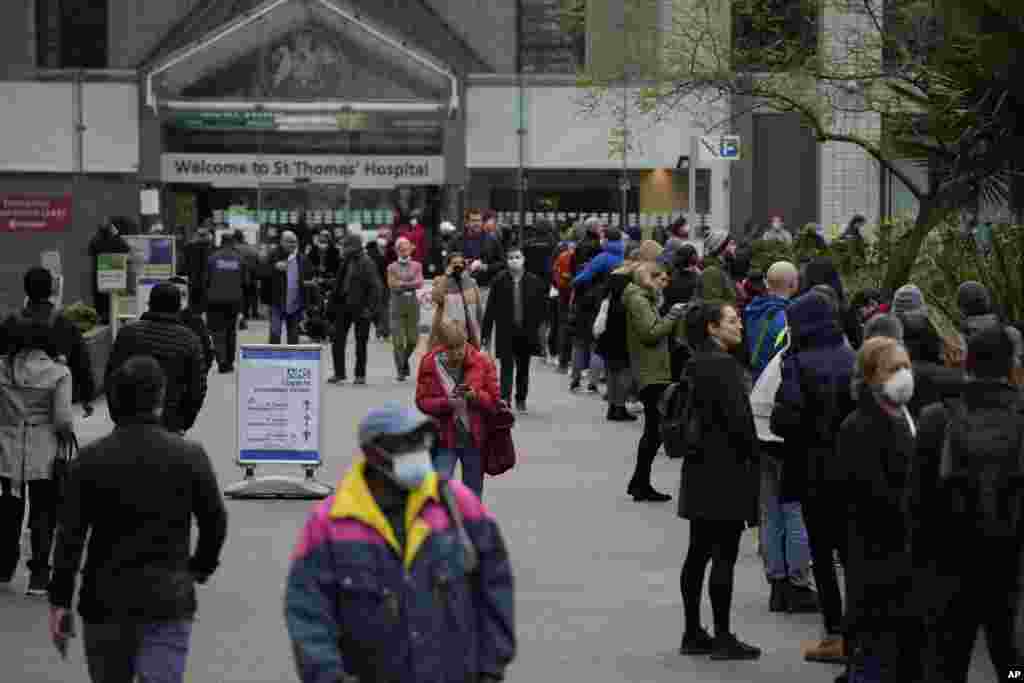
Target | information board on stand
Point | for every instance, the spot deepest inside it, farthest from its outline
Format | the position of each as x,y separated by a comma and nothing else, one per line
279,400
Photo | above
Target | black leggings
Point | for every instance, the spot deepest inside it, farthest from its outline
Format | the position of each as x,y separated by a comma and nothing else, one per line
717,542
650,442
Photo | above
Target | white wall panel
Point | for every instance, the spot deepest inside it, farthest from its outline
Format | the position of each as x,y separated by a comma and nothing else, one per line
37,127
111,138
491,123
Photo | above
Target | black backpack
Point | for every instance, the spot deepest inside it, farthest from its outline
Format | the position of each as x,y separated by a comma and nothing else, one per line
680,422
981,470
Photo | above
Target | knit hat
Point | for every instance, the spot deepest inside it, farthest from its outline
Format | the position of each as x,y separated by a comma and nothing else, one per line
715,242
883,325
908,299
649,251
973,299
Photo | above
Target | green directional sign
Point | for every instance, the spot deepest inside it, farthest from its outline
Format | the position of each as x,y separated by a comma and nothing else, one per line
222,120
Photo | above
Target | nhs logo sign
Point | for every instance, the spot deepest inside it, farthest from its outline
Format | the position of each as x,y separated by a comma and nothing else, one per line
719,147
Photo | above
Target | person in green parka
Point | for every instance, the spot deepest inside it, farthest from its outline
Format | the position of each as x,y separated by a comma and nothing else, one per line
716,283
647,337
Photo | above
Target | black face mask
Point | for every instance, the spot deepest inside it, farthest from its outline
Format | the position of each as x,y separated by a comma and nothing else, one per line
458,271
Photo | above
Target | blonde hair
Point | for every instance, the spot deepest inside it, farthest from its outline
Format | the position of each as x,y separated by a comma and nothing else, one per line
874,353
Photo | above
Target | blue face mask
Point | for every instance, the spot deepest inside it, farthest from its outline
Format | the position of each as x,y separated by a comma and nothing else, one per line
411,469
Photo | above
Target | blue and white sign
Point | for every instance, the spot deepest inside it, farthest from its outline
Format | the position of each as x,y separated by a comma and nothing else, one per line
719,148
279,398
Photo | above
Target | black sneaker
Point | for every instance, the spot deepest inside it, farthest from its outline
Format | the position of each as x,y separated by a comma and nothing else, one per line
227,369
592,388
521,406
777,601
801,599
337,379
699,643
729,647
359,382
38,583
574,385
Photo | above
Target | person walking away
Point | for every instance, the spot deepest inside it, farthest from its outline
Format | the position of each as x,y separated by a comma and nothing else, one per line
35,413
134,494
588,291
324,256
377,250
725,456
196,260
966,484
483,253
226,275
458,387
933,381
516,308
107,240
160,334
647,335
561,281
538,255
354,303
285,288
822,270
874,452
457,571
716,283
250,298
404,278
65,337
784,544
457,298
194,321
812,401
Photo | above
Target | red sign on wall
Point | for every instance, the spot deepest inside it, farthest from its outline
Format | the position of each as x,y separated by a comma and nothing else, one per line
35,212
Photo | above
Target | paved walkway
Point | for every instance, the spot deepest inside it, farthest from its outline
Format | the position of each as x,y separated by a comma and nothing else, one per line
597,575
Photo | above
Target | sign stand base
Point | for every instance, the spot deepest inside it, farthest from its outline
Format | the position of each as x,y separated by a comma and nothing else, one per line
279,486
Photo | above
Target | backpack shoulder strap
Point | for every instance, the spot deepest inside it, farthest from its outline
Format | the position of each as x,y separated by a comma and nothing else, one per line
451,506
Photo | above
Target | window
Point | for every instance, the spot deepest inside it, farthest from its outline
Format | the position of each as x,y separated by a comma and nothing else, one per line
553,36
71,34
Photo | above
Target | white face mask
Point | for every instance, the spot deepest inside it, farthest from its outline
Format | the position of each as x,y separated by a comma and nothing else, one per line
515,263
382,243
411,469
899,388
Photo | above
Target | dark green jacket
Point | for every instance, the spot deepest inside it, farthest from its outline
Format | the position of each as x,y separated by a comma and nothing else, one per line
715,283
647,335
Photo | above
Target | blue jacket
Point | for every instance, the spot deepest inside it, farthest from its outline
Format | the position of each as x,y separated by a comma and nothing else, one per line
605,262
767,310
813,399
356,604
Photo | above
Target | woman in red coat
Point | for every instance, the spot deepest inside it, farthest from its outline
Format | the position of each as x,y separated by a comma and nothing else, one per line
457,385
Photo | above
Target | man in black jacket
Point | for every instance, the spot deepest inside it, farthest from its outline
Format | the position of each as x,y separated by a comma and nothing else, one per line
161,335
226,275
969,575
134,494
285,288
516,306
66,337
107,240
195,262
354,303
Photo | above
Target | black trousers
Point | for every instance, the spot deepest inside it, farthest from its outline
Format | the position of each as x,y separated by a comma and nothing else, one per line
345,322
984,597
251,307
564,335
826,532
222,319
554,320
650,442
42,523
716,542
518,365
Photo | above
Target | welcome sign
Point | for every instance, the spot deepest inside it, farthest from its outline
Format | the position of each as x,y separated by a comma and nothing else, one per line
251,170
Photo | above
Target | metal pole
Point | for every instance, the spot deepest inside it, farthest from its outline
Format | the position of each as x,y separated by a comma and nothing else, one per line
624,183
520,125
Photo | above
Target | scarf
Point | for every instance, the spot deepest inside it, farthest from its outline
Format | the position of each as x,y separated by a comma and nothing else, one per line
449,384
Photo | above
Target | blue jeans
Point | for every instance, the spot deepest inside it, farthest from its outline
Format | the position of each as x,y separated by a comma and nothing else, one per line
784,544
290,320
472,466
155,652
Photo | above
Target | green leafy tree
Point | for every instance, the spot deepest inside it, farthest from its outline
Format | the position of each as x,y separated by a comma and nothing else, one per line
929,81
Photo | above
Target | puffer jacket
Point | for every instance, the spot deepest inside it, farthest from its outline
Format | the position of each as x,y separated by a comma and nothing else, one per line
813,399
973,324
647,336
35,407
765,315
178,350
715,283
612,345
357,605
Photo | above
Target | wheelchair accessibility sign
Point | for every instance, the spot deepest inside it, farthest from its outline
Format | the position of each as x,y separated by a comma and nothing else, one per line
719,147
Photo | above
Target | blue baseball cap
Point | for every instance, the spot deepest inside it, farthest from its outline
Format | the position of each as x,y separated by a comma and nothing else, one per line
391,419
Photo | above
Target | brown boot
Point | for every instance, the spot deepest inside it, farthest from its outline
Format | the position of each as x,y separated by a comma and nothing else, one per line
831,650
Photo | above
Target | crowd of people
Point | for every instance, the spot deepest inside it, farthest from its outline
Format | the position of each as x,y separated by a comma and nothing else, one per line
859,440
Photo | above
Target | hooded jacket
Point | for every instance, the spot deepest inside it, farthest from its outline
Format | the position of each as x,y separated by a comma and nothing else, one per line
933,381
357,286
764,318
358,604
647,335
715,283
609,259
973,324
813,399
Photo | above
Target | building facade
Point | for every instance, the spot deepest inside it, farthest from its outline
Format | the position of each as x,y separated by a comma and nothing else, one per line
323,112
